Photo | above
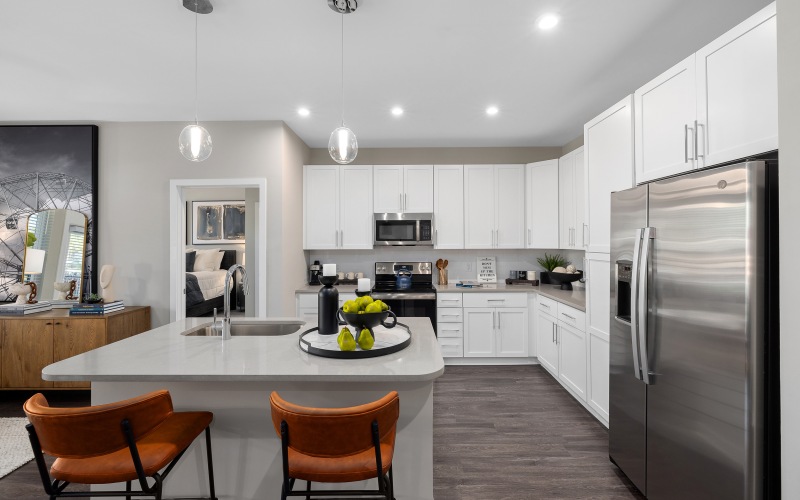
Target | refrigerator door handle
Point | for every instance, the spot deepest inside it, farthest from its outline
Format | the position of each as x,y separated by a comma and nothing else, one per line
637,249
643,289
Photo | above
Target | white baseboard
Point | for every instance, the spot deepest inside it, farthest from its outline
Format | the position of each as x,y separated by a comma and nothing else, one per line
490,361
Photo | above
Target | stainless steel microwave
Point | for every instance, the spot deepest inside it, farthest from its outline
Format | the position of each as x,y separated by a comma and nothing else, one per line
403,229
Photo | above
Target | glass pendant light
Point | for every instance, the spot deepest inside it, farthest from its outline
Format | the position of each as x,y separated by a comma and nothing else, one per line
194,142
343,146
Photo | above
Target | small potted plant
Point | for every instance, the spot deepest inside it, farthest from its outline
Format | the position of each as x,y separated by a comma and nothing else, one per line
92,298
550,262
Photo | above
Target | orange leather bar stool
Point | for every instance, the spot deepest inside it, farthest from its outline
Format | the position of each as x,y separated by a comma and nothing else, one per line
337,445
124,441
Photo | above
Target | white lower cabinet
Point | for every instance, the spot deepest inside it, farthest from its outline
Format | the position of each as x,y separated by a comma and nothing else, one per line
572,364
308,305
561,346
598,376
546,346
450,325
495,325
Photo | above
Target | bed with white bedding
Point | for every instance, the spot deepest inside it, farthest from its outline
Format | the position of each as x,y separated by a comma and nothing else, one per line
205,284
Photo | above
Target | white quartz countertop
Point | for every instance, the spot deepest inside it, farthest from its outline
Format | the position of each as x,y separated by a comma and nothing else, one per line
163,354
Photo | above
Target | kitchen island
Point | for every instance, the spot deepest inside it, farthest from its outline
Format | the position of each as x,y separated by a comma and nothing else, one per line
234,378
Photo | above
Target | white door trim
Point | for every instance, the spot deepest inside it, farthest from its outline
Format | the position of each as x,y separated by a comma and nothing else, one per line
177,237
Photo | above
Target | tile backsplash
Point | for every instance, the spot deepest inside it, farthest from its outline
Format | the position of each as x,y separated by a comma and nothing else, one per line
462,263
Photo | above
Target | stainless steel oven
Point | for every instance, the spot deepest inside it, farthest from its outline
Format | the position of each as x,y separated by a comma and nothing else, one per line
414,299
403,229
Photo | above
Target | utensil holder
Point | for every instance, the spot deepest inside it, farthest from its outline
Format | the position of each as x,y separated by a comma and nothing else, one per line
442,277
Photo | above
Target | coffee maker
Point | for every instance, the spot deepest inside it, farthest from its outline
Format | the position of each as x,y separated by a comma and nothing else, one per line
314,272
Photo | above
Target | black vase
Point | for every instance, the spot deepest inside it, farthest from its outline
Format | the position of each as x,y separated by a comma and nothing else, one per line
328,304
544,278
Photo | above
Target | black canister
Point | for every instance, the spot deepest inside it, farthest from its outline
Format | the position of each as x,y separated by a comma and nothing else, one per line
328,304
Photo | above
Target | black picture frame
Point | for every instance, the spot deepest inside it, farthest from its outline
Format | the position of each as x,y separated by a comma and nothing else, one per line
33,157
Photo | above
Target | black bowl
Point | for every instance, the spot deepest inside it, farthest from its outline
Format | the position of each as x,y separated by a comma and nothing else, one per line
565,279
366,320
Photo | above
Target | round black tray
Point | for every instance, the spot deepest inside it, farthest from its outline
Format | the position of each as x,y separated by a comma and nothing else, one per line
565,279
306,346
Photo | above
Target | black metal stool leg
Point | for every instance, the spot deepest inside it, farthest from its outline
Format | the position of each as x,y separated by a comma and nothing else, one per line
212,492
308,488
128,488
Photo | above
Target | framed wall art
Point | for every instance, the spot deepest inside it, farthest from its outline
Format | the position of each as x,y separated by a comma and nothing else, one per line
44,167
217,222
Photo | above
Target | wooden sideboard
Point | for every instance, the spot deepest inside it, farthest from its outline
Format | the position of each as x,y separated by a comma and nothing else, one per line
29,343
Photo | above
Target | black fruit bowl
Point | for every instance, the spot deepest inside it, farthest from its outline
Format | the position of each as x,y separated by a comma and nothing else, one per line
366,320
565,279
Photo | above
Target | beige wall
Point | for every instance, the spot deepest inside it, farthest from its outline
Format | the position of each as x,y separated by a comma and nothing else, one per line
789,135
295,155
441,156
137,161
572,145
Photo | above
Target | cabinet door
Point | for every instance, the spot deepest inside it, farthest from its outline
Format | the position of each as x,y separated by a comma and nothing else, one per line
608,167
27,349
320,207
578,183
479,332
355,207
546,346
665,113
572,362
598,294
510,203
541,200
737,91
76,336
448,206
418,189
512,332
566,200
388,192
479,206
308,314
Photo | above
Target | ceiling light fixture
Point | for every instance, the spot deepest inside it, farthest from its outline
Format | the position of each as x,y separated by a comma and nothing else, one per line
397,111
547,22
194,142
343,146
303,112
492,110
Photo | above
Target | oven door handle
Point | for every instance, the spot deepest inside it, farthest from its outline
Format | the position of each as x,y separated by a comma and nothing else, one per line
403,296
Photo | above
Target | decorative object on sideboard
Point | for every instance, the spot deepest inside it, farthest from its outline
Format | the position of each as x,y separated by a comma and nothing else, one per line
565,279
61,288
343,146
106,286
92,298
550,262
71,294
328,301
23,291
194,142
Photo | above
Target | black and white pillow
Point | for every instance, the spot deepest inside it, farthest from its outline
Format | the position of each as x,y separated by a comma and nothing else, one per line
190,256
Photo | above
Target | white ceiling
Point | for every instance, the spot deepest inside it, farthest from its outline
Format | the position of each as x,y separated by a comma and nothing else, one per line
443,61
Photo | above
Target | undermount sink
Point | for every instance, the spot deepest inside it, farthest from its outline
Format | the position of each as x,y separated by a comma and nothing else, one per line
249,329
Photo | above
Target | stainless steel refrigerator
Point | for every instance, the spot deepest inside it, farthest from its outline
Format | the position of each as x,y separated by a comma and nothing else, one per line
693,375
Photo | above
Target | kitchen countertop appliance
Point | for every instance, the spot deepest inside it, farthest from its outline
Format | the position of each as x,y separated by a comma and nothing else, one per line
407,288
314,273
403,229
693,386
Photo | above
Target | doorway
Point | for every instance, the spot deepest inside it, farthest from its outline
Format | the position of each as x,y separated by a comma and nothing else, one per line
254,249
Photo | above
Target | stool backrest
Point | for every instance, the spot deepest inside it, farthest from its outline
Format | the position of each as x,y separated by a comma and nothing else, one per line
334,432
94,430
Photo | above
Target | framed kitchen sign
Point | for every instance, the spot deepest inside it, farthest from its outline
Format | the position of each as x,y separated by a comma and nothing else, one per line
487,270
216,222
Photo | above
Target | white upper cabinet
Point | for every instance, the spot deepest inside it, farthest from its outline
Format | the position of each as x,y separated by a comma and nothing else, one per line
665,123
717,105
403,188
571,200
541,201
494,206
336,207
448,206
608,167
737,91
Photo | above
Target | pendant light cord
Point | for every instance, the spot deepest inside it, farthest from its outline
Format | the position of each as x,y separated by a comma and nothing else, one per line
342,51
195,62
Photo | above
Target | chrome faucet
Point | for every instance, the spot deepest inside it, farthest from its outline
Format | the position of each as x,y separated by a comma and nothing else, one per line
226,318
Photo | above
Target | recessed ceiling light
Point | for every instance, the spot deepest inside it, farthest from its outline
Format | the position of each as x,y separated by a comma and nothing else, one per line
492,110
303,111
397,111
547,22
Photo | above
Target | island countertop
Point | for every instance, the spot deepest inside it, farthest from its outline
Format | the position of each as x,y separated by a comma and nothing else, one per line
163,354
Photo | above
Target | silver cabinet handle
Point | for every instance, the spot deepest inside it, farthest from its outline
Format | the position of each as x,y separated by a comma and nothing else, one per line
405,201
699,139
449,300
529,236
685,143
498,321
495,300
436,237
583,235
451,315
553,333
568,316
341,239
401,201
545,305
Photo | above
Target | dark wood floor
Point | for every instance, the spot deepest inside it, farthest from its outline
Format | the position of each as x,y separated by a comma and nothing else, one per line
499,433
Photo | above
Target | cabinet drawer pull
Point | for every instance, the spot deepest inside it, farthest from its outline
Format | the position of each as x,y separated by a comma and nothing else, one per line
451,315
450,300
451,329
568,316
58,323
48,323
545,305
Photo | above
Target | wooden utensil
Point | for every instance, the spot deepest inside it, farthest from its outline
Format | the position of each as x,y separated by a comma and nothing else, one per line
444,265
439,264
